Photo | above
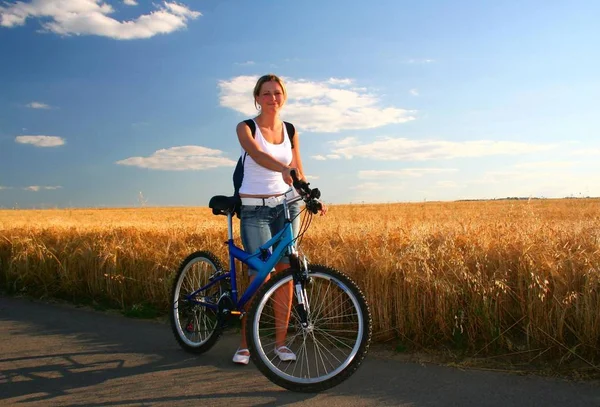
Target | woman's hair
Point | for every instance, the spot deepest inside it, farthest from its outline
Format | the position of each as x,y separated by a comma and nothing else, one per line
268,78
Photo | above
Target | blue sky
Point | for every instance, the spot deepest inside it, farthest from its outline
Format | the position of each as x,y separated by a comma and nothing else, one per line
123,103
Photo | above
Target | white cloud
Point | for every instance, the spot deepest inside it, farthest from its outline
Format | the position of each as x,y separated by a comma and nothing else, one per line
420,61
320,157
3,187
587,152
403,173
246,63
181,159
341,82
41,141
38,105
130,2
446,184
544,165
36,188
375,186
91,17
538,182
389,148
318,106
414,92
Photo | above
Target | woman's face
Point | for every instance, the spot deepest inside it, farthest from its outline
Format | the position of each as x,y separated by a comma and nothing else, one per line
270,97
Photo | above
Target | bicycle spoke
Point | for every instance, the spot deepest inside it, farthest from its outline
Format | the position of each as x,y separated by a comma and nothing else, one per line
326,345
192,321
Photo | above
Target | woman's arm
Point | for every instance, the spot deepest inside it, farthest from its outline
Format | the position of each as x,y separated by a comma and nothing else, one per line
296,158
297,163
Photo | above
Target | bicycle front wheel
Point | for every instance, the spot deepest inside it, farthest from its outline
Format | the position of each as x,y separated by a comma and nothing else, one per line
329,334
195,325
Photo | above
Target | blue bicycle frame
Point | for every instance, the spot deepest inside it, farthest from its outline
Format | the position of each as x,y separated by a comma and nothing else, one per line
263,260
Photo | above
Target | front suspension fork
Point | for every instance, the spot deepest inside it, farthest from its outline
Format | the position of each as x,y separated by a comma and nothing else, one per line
301,279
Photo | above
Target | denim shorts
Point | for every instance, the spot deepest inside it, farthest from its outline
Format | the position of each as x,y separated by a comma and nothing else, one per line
260,223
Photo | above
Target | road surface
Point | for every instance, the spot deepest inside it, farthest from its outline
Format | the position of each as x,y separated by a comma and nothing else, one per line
60,355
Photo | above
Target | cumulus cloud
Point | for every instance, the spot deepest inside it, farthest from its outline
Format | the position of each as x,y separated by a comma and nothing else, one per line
545,165
41,141
446,184
92,17
320,157
414,92
181,158
336,81
390,148
38,105
587,152
403,173
420,61
539,182
374,187
36,188
318,106
130,2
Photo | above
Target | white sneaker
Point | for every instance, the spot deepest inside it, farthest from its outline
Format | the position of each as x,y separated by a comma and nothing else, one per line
285,354
240,358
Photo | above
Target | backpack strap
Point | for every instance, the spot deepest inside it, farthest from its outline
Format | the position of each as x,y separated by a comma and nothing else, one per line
250,123
291,131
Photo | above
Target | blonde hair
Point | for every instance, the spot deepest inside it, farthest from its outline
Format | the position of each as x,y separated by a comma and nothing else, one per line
268,78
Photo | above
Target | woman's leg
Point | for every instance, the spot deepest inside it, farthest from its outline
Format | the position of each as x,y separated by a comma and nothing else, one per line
282,308
284,295
254,230
243,343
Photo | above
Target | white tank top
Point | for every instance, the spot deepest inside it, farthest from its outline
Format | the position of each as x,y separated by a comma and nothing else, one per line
259,180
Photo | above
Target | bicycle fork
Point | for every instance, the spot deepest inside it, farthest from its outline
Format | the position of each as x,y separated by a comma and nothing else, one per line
301,278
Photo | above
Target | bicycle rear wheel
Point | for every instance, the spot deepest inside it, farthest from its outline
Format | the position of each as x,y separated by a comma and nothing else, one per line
332,344
195,326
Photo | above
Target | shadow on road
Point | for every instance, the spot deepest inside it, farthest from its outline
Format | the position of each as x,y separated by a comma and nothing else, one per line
42,344
63,355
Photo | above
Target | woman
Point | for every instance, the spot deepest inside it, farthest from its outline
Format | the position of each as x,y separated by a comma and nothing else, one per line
267,175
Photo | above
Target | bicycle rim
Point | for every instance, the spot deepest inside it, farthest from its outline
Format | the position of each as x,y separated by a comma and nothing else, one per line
327,346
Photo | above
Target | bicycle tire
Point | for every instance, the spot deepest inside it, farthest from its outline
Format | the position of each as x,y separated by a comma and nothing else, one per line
329,294
188,319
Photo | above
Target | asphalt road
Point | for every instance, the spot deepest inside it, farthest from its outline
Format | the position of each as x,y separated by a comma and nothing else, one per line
59,355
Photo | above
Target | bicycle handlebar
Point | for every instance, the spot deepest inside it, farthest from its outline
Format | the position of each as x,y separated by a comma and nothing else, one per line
309,195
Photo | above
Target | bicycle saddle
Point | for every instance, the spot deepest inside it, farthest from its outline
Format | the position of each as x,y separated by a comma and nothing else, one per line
222,205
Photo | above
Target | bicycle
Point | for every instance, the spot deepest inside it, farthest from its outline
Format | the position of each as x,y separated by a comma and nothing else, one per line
330,324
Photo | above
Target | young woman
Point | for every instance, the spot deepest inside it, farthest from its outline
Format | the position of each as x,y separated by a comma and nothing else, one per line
266,179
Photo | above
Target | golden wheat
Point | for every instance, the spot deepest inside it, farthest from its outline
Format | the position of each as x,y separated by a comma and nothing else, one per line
494,276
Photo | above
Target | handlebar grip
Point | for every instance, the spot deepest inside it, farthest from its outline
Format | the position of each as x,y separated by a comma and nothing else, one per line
299,185
294,176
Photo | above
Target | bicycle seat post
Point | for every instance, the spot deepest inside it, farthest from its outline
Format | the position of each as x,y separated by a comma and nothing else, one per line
230,225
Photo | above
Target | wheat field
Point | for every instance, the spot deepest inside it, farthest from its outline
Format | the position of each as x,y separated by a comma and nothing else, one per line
508,277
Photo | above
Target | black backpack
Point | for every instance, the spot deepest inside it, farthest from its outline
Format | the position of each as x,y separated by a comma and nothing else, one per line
238,173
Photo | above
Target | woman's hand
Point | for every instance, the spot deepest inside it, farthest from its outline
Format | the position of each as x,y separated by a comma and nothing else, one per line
323,210
287,176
